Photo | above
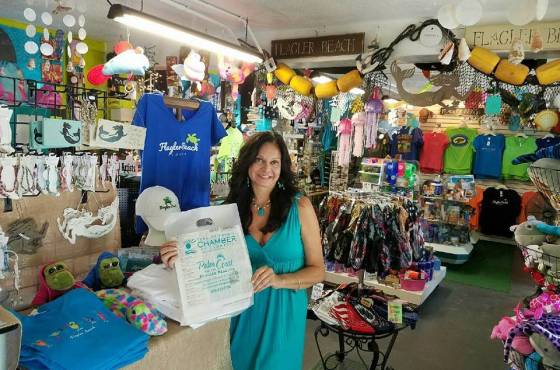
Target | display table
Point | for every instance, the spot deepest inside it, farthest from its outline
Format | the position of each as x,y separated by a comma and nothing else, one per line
452,254
182,347
350,341
416,298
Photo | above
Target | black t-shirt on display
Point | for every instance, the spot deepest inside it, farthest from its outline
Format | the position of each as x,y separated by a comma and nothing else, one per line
499,211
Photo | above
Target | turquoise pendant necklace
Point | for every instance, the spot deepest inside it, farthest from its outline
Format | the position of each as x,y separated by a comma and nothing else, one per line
260,209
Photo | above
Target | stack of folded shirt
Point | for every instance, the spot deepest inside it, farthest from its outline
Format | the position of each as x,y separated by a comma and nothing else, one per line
76,331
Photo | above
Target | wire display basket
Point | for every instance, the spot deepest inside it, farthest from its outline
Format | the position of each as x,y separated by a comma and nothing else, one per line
547,264
520,362
545,174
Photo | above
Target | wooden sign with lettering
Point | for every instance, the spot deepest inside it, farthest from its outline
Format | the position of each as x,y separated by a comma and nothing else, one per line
318,46
462,111
500,37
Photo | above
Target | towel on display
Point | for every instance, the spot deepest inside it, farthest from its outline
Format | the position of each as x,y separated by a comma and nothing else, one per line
77,330
547,152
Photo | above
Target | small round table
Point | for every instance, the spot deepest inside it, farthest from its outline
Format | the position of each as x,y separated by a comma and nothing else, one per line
358,342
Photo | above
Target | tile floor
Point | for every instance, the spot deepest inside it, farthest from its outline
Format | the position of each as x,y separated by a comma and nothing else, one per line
453,331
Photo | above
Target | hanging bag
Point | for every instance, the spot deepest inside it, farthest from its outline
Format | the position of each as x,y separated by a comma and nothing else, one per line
213,267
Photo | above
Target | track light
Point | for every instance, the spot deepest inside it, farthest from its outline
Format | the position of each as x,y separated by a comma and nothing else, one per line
198,40
321,79
357,91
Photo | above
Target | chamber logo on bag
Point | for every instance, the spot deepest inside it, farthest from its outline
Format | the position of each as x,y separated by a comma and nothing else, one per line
188,248
178,149
167,203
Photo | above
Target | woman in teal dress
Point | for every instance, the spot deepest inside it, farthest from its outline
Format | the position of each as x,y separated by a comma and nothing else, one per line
282,235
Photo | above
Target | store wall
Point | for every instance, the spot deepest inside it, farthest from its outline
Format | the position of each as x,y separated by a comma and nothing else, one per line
79,257
95,55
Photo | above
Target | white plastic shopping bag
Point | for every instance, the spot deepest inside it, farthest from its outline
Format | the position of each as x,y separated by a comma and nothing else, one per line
213,267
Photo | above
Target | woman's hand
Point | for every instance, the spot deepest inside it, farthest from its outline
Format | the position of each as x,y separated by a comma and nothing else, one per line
263,278
168,252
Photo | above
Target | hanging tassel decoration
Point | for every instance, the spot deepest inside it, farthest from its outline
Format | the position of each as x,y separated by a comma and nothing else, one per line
374,109
358,125
344,142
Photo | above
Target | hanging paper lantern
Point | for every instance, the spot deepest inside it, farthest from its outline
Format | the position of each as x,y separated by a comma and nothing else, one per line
468,12
446,17
542,7
521,12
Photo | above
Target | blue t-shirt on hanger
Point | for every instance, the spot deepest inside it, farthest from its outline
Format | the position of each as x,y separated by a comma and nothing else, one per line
488,155
176,153
407,142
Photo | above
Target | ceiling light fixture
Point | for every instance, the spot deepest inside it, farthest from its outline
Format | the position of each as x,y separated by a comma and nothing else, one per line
321,79
144,22
357,91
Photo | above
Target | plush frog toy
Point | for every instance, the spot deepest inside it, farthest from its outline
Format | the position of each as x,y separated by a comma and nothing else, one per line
107,273
138,313
55,279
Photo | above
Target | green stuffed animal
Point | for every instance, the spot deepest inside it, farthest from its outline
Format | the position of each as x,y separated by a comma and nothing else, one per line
58,276
106,274
55,279
110,273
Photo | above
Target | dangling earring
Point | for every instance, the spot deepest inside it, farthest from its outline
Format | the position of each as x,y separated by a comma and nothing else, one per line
248,183
280,185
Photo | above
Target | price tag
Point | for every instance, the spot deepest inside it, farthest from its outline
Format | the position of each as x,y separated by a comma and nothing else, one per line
395,313
317,291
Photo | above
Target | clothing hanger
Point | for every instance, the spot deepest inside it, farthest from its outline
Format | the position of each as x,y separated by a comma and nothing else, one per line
179,104
523,135
501,186
490,132
549,135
